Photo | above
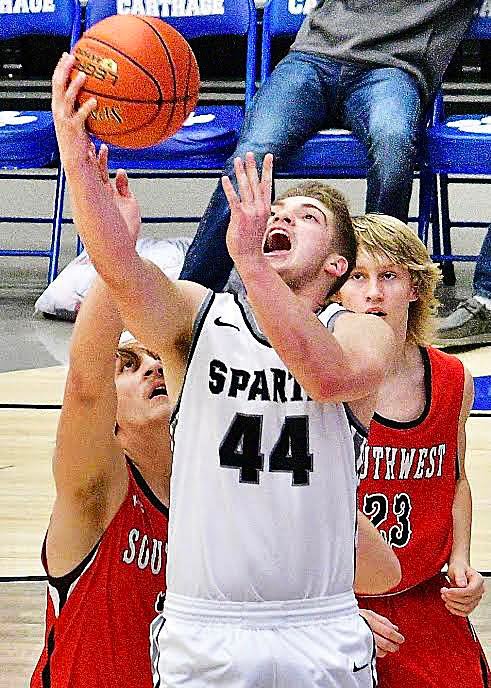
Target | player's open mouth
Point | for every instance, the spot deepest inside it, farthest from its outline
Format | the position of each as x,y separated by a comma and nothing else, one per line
374,311
158,392
277,240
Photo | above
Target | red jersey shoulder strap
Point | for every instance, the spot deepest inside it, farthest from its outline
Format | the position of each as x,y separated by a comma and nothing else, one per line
447,379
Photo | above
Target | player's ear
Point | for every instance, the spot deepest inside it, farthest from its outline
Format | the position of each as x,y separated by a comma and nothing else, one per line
336,265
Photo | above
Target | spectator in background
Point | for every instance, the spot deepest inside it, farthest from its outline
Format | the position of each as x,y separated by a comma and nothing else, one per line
374,66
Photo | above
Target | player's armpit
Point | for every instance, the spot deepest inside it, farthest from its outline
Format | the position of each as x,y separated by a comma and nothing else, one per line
82,512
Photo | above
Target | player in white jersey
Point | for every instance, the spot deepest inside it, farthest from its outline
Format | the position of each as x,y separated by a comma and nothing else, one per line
261,552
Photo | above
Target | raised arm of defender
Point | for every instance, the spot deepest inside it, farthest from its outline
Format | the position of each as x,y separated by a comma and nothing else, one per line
88,465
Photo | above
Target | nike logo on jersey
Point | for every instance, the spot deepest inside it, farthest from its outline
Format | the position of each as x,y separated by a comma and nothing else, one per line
355,668
218,321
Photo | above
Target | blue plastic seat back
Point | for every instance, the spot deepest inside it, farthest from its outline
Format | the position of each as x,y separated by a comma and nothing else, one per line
282,18
460,144
482,397
222,18
210,133
41,17
27,138
205,141
480,28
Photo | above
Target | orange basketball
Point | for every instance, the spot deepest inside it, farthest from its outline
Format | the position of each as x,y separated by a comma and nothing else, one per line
144,76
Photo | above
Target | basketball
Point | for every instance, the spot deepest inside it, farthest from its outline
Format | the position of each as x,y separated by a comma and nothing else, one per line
144,75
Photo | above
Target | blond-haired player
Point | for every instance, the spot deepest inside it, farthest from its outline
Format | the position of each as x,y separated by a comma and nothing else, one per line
413,481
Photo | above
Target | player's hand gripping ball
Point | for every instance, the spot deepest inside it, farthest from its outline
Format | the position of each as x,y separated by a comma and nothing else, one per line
144,75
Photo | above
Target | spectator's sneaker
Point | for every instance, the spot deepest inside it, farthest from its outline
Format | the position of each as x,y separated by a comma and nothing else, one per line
469,323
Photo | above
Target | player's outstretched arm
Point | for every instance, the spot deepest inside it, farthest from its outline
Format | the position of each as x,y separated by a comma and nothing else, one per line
466,584
377,567
349,364
88,465
157,311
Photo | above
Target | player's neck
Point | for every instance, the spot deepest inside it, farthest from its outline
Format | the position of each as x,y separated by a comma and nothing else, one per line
312,294
406,357
402,396
152,456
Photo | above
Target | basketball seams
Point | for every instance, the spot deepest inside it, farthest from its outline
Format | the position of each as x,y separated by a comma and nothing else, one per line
124,99
173,73
133,62
188,79
166,50
171,65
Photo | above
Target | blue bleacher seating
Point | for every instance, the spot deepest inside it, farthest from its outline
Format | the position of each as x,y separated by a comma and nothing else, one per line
455,145
27,138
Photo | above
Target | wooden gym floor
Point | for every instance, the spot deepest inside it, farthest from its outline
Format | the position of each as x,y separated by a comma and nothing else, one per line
29,409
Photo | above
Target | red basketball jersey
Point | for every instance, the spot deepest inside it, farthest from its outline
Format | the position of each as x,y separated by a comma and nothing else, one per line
409,470
98,616
440,650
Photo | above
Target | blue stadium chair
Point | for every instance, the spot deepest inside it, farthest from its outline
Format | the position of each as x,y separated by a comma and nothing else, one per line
482,396
27,138
457,145
201,147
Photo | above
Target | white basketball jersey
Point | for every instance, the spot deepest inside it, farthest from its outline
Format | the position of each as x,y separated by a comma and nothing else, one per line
263,487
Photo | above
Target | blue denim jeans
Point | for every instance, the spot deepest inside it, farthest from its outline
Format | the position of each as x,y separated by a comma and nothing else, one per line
482,273
306,93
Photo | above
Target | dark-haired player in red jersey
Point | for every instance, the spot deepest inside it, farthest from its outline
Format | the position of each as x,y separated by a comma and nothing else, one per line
413,482
105,549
